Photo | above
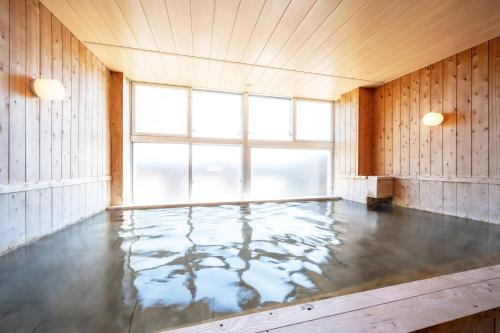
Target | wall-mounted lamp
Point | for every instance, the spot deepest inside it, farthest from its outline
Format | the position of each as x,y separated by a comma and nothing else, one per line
432,119
48,89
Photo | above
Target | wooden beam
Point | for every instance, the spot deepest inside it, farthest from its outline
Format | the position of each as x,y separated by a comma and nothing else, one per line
116,136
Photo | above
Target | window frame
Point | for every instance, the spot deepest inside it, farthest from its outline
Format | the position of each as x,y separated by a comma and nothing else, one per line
244,142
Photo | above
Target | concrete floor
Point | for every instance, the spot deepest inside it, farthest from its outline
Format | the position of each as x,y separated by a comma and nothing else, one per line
144,271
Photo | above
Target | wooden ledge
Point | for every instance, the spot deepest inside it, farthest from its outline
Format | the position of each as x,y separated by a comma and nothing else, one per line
401,308
218,203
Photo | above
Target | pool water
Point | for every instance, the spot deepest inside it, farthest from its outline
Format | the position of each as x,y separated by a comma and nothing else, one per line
148,270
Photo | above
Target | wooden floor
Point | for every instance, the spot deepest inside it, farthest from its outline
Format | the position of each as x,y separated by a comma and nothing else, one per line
461,302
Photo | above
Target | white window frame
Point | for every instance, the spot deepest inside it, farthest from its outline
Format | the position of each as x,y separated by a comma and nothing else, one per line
246,143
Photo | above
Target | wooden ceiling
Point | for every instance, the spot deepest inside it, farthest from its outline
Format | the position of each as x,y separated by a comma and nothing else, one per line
304,48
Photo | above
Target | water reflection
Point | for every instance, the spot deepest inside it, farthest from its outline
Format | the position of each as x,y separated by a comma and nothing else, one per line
231,258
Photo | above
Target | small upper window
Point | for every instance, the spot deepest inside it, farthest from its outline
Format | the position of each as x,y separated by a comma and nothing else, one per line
160,109
313,120
216,114
269,118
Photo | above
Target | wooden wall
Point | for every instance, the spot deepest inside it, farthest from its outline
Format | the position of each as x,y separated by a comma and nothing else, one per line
355,128
453,168
53,155
354,122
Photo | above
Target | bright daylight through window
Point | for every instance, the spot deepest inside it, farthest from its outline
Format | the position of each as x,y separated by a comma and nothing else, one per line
206,146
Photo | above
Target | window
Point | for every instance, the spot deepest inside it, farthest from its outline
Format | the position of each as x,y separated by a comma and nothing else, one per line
216,114
201,146
289,172
216,172
161,110
269,118
161,173
313,120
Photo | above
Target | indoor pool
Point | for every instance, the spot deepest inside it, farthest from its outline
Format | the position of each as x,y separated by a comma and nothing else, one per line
148,270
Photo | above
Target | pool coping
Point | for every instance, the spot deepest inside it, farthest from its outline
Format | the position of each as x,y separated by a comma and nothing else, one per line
399,308
218,203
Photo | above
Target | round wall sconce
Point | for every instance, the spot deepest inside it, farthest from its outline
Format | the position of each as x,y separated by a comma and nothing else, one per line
48,89
432,119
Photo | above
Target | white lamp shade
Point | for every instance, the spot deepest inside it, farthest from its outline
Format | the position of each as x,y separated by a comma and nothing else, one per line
48,89
432,119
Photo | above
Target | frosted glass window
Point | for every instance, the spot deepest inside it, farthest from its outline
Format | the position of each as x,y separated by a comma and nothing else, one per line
289,172
161,110
216,172
161,173
269,118
313,120
216,114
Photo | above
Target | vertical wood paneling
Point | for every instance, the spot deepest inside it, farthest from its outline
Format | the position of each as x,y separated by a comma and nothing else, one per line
463,199
45,106
17,121
480,111
17,93
32,104
93,124
464,134
88,117
425,105
450,198
56,105
348,138
82,109
436,197
479,202
494,207
354,132
388,129
5,232
414,194
436,132
414,123
341,129
40,139
405,125
396,127
380,120
66,105
32,224
75,80
4,94
425,195
494,107
450,117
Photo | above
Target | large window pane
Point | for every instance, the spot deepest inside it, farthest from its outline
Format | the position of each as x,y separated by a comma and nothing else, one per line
289,172
269,118
160,109
216,114
216,172
313,120
161,173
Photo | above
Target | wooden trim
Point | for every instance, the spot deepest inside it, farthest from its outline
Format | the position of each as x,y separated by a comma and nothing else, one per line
386,309
472,180
218,203
44,184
